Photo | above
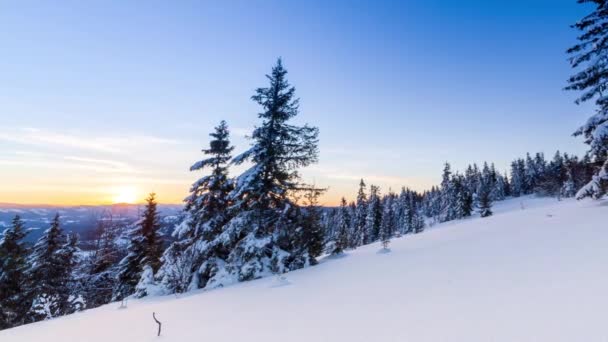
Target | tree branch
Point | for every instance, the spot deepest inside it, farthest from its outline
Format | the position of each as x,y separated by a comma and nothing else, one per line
157,322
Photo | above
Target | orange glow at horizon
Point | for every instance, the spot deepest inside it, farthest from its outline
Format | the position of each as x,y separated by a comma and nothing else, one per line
115,195
126,194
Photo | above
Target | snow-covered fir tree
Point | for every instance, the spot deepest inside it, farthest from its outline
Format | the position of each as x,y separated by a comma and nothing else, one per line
518,178
50,274
472,177
197,256
553,178
13,267
102,264
373,218
568,189
264,234
531,174
360,214
484,198
418,223
449,210
463,198
343,224
72,255
404,217
314,234
144,250
590,57
387,227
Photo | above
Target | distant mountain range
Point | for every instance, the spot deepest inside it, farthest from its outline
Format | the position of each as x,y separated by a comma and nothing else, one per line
79,219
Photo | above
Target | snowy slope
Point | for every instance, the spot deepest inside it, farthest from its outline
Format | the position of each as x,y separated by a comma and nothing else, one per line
538,274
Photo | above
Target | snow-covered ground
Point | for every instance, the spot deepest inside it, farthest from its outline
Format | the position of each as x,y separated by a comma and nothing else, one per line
537,274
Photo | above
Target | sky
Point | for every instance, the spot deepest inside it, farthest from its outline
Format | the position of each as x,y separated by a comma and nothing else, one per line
106,101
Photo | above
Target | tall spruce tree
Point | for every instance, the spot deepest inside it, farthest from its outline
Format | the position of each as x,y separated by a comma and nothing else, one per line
387,227
404,223
264,236
464,199
373,219
418,223
484,196
50,274
449,210
194,259
360,215
517,178
590,57
144,250
13,267
102,264
344,222
313,229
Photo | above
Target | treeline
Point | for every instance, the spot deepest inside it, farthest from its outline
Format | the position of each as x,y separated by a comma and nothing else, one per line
374,217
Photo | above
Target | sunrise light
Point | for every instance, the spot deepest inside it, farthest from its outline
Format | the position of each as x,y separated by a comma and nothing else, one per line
126,194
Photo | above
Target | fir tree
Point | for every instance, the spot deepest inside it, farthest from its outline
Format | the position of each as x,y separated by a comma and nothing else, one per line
552,179
531,175
464,199
484,199
569,187
417,221
344,222
405,212
387,226
70,254
448,196
314,233
265,235
13,267
194,259
373,219
360,216
102,265
518,186
590,56
144,250
50,274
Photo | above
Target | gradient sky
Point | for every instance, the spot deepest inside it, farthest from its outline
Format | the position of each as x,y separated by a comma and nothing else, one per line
99,98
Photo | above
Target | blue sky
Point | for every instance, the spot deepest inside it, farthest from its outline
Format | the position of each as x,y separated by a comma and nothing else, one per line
99,98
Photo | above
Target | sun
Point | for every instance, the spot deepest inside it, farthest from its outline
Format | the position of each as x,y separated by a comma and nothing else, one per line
126,194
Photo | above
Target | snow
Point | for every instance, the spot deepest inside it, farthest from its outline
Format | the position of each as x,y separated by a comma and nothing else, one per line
531,274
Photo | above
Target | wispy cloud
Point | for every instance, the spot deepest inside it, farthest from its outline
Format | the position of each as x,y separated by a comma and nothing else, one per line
110,164
48,164
59,161
110,144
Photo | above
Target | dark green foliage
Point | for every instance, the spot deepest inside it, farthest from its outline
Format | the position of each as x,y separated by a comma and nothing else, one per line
50,275
101,268
590,57
313,230
144,250
13,265
192,260
344,222
360,217
485,202
373,219
265,232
